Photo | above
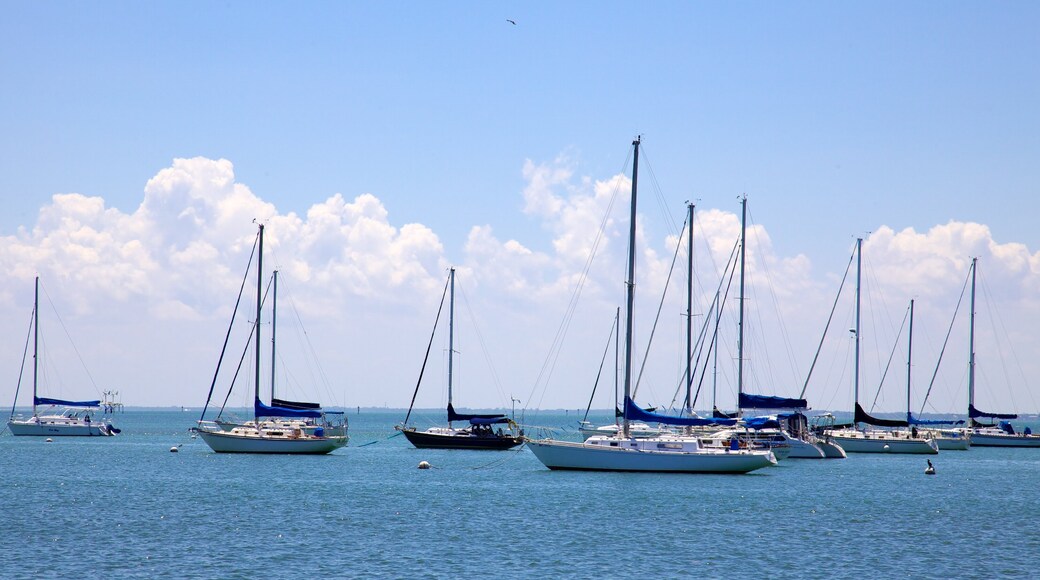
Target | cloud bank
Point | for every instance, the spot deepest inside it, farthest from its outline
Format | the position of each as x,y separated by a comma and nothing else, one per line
169,271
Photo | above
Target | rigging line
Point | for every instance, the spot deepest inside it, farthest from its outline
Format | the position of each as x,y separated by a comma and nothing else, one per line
310,346
25,355
231,326
241,360
946,341
61,322
827,326
776,305
426,358
551,358
658,191
657,318
720,304
480,339
387,438
602,361
891,355
995,316
498,461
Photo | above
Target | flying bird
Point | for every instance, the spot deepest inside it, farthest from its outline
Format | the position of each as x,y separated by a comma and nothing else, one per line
513,22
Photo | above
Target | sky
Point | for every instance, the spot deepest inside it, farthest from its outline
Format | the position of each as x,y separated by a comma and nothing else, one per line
382,143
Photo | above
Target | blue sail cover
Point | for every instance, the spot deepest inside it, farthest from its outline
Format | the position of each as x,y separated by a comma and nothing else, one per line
915,421
746,401
46,401
262,410
453,416
975,414
294,404
762,423
636,414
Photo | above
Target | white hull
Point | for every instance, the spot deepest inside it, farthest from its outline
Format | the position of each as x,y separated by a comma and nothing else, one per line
876,442
249,440
59,427
648,455
979,439
831,449
951,440
795,448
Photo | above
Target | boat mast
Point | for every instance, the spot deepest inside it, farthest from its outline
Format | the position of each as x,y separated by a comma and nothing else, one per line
909,355
36,339
740,323
971,344
256,324
689,311
274,312
630,285
859,271
451,332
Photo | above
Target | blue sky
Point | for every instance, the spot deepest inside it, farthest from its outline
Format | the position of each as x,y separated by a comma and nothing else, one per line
835,118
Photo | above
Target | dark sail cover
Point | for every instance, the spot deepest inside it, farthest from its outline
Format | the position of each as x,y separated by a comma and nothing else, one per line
262,410
975,414
715,412
46,401
453,416
294,404
637,414
863,417
746,401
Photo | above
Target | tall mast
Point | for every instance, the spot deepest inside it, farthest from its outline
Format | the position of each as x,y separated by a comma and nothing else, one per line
36,339
689,311
909,356
859,271
740,324
259,301
630,285
971,344
451,332
274,312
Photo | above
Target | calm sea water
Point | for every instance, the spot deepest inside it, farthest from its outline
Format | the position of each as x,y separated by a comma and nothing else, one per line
127,507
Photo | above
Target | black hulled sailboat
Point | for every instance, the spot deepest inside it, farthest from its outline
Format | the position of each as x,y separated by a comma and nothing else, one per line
480,431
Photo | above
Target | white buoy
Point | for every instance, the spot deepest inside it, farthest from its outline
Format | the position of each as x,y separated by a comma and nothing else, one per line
49,440
886,447
424,465
175,449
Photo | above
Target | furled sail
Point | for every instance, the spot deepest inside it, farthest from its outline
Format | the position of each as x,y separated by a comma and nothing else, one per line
975,414
262,410
637,414
746,401
46,401
863,417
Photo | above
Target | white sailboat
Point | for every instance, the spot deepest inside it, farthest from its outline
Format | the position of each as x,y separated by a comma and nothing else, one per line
285,427
61,418
1001,434
623,452
873,440
788,426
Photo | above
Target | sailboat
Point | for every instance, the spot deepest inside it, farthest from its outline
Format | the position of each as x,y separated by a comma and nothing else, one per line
1001,434
664,453
479,432
286,427
63,418
856,440
788,426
